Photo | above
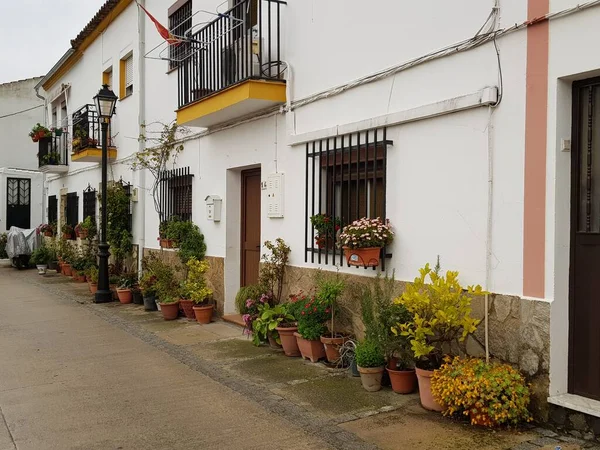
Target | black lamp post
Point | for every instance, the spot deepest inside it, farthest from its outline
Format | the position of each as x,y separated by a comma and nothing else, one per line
105,102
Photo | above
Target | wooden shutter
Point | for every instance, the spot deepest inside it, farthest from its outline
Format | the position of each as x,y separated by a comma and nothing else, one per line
129,71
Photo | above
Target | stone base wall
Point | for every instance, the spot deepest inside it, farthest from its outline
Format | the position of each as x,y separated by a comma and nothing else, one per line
215,276
578,425
519,329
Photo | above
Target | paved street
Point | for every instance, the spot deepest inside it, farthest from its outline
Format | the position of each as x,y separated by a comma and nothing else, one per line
75,375
71,380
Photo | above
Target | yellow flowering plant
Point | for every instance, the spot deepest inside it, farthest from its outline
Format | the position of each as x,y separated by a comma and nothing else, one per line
490,395
194,287
441,313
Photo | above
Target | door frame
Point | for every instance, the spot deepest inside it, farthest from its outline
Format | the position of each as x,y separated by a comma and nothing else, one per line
576,121
246,174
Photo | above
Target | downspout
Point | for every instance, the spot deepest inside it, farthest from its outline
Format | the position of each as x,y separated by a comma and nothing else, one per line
141,122
44,181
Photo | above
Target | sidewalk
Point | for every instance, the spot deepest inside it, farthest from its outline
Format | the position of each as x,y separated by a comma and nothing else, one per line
114,376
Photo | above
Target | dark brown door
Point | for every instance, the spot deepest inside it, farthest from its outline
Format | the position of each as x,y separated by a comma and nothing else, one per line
584,324
250,226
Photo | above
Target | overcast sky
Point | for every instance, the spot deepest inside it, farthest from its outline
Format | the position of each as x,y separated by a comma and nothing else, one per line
34,34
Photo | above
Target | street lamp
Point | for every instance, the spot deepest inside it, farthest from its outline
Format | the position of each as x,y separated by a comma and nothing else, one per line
105,102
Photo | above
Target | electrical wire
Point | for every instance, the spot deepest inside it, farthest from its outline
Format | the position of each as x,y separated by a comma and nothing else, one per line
21,112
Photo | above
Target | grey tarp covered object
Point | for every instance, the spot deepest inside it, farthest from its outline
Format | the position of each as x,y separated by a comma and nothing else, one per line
21,242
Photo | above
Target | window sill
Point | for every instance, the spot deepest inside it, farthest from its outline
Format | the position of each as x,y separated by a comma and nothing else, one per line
576,403
127,96
333,258
170,71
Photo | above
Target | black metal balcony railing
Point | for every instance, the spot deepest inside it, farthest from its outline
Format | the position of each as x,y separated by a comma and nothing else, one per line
53,151
241,44
86,129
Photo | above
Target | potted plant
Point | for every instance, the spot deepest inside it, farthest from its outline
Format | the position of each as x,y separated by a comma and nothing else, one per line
78,265
363,240
491,395
148,288
67,231
264,327
197,291
169,306
311,326
40,257
39,132
93,274
47,229
370,362
87,228
443,297
162,235
113,282
57,131
287,328
124,290
328,291
397,349
136,291
326,228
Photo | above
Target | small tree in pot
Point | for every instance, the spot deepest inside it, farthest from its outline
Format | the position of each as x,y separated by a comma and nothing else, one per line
196,290
441,311
329,290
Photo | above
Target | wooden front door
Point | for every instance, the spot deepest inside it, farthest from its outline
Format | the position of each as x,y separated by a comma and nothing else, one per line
250,226
18,203
584,354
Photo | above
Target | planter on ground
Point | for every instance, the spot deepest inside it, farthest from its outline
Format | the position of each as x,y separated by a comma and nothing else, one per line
124,295
203,313
170,311
312,350
332,346
41,268
149,303
370,377
66,269
403,381
93,287
137,297
188,308
289,341
427,400
273,342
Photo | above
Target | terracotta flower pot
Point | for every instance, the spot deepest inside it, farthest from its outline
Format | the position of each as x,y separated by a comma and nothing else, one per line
166,243
113,289
288,340
312,350
66,269
83,234
170,311
332,347
93,287
80,278
188,308
48,233
370,377
124,295
403,381
203,313
427,400
362,257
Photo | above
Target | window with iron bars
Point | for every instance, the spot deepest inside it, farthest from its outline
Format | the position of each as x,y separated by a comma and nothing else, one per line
89,203
52,209
175,194
345,181
180,23
127,188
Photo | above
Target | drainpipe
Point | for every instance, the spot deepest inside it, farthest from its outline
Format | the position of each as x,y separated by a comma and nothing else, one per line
141,120
44,181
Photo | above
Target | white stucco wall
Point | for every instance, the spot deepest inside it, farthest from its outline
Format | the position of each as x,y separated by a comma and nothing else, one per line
16,148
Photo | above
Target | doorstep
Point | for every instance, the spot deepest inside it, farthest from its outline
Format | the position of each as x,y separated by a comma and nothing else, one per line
577,403
236,319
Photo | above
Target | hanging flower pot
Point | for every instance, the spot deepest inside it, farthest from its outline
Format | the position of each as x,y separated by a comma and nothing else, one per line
362,257
363,240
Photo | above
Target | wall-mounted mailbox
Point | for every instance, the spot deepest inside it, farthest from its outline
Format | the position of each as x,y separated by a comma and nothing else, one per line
213,207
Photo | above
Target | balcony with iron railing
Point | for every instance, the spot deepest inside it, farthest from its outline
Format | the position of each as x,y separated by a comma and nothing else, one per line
233,66
86,145
53,156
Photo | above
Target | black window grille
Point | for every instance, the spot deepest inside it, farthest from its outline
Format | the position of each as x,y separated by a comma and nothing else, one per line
72,211
180,23
176,194
345,181
52,209
128,191
89,203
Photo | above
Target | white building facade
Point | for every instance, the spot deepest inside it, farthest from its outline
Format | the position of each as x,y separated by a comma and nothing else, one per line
471,127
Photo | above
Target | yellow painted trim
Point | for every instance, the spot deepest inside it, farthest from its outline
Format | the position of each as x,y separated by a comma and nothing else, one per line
95,34
106,77
94,153
252,89
122,79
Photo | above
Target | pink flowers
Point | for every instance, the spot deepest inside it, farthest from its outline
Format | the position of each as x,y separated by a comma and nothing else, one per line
364,233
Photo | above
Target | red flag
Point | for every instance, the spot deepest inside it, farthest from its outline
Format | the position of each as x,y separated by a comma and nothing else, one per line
162,30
